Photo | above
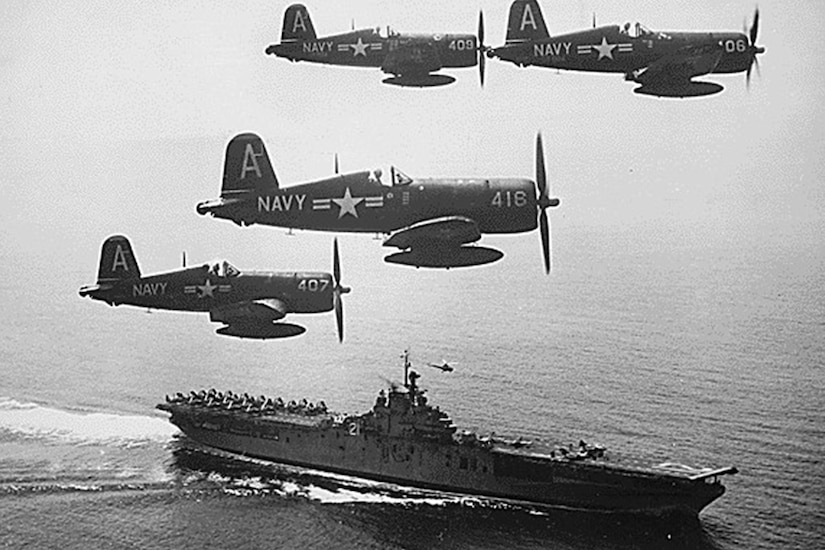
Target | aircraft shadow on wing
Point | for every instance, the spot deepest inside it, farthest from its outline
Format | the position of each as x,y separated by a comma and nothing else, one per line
411,59
247,303
432,221
664,63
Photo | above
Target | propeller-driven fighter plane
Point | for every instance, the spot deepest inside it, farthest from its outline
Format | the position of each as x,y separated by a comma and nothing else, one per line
247,303
410,58
430,220
664,63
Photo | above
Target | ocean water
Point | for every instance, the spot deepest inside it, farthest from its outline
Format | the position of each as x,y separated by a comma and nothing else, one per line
666,343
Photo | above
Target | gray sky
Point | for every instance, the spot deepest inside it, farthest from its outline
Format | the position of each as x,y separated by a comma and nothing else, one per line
114,118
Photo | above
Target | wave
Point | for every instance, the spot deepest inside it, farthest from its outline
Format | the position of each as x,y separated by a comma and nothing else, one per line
35,421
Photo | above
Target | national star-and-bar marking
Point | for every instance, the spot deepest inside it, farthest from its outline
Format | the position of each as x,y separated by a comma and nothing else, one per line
605,48
206,289
348,204
360,47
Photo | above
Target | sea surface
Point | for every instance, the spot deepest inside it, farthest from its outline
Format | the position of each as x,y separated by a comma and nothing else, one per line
662,341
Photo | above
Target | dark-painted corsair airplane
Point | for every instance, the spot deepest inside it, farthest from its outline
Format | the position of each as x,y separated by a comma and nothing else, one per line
247,303
664,63
430,220
410,58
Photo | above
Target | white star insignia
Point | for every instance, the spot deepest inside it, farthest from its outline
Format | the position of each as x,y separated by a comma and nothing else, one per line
360,48
207,289
347,204
604,49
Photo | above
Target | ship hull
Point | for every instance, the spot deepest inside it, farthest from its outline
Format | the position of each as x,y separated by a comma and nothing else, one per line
446,466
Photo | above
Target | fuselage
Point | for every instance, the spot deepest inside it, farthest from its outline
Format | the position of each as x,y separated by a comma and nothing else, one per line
371,48
612,49
358,202
202,289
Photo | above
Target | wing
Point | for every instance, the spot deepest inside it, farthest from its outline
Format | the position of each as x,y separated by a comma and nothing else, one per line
251,312
438,243
676,69
411,57
451,231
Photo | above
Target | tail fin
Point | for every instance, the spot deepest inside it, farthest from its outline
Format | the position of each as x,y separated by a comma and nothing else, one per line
297,24
526,22
246,166
117,261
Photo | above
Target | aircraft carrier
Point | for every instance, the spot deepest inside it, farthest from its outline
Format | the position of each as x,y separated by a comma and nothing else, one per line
407,441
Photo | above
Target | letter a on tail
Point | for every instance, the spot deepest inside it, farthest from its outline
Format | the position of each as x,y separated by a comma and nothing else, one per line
297,24
247,167
526,22
117,261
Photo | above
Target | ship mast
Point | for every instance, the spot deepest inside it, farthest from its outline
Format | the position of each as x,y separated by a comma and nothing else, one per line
406,357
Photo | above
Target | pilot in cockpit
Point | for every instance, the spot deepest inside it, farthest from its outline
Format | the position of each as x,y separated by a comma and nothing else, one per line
375,176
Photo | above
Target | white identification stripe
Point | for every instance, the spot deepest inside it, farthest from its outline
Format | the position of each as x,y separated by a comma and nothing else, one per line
343,47
583,49
374,202
625,47
189,289
224,288
376,46
320,204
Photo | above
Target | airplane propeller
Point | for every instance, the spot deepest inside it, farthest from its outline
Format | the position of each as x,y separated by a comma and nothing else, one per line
482,49
543,202
753,49
338,290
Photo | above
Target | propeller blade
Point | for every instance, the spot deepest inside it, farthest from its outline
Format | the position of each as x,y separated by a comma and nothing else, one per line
339,314
481,48
183,258
338,290
336,264
543,201
480,30
544,225
336,163
755,27
541,175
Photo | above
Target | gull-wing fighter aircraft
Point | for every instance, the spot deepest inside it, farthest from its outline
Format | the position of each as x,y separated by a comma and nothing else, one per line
430,220
411,59
247,303
664,63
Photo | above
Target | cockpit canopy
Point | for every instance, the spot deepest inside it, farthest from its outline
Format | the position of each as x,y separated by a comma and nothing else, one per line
397,177
640,31
223,269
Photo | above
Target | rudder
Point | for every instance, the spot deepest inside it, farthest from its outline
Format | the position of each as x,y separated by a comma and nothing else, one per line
297,24
526,22
247,166
117,261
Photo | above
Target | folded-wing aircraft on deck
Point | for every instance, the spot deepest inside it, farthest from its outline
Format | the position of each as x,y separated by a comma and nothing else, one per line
664,63
430,220
410,58
247,302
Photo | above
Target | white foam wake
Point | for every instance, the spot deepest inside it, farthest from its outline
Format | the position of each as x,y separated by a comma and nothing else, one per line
38,421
